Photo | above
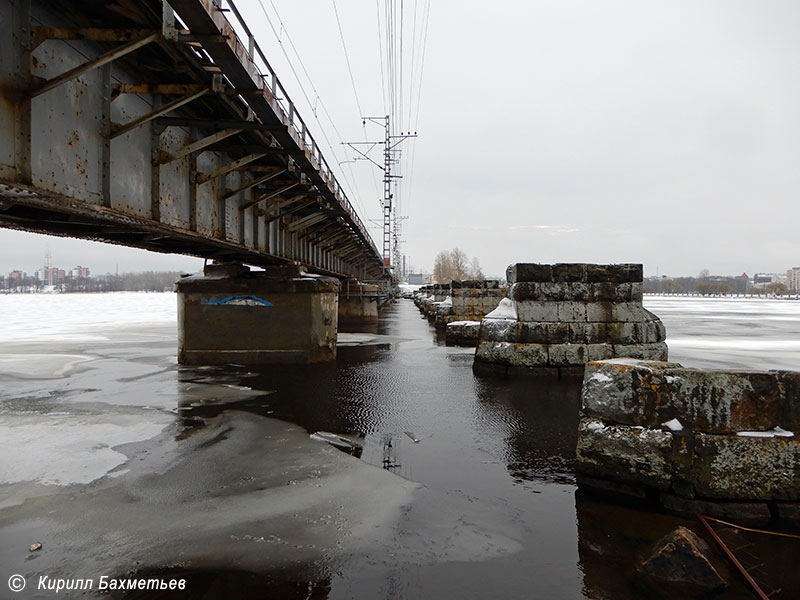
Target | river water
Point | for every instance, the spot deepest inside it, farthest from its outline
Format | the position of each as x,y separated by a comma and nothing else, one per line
119,461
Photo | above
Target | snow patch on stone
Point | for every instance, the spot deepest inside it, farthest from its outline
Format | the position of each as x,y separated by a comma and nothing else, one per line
505,310
773,433
673,425
601,377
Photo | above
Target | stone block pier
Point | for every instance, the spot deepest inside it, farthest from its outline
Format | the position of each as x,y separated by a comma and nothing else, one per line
231,314
721,443
556,318
468,300
428,298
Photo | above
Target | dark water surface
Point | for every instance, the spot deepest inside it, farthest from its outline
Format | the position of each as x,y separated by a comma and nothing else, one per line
469,494
500,515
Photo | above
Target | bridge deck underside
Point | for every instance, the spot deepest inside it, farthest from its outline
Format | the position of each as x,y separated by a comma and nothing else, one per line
127,123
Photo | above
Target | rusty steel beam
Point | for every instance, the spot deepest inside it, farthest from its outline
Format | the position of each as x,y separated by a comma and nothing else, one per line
119,130
245,160
283,204
251,184
213,123
93,34
306,222
290,211
158,88
270,195
197,146
101,60
262,169
317,229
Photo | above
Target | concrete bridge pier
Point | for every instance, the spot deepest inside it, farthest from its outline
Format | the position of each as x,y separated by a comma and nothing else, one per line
358,304
281,315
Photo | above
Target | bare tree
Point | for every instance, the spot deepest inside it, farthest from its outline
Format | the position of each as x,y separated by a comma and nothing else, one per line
475,271
442,267
455,264
460,264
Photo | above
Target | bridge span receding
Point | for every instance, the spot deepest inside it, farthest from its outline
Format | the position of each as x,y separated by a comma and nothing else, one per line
162,126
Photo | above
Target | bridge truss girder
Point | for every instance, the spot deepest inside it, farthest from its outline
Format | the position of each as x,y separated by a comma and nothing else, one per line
157,130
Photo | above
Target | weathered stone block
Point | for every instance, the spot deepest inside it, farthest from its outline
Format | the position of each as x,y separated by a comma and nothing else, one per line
577,333
600,311
597,273
512,354
628,312
519,272
570,312
569,272
462,333
622,292
537,311
596,333
623,333
535,333
567,354
637,292
656,352
624,453
602,291
650,332
500,330
726,401
557,333
625,391
625,273
599,352
525,290
746,468
790,382
553,291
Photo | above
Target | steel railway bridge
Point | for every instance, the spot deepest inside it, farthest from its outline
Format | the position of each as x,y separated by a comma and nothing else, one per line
162,126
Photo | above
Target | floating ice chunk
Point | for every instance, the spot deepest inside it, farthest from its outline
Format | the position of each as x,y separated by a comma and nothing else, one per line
343,443
673,425
505,310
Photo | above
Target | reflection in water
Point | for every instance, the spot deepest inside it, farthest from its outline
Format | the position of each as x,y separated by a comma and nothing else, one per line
496,513
426,417
539,417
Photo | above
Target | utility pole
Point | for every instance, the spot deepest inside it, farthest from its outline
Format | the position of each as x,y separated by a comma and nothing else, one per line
390,218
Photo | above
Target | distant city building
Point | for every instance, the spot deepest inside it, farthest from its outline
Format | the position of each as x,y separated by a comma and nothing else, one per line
793,279
51,275
80,272
17,275
766,278
417,278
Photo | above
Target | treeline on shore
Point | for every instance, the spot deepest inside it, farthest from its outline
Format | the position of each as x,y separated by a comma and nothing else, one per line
144,281
713,285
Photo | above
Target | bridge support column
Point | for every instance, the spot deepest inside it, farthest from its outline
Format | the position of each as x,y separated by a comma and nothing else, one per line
281,315
358,304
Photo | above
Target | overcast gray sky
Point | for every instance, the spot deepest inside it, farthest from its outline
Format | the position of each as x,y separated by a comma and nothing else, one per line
665,133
